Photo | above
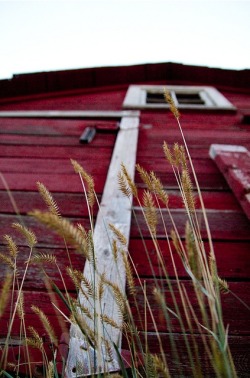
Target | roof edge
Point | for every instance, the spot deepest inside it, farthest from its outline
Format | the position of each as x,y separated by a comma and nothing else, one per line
68,80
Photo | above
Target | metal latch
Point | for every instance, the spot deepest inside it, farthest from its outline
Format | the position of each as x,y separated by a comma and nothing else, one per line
90,132
88,135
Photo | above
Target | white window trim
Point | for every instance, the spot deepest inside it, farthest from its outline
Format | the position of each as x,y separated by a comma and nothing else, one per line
136,97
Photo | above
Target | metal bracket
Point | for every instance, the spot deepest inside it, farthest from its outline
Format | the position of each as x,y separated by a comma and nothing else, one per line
90,132
88,135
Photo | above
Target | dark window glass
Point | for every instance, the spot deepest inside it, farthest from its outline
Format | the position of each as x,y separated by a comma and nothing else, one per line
189,99
155,98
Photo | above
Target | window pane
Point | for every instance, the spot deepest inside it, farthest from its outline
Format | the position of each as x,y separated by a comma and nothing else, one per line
189,98
155,98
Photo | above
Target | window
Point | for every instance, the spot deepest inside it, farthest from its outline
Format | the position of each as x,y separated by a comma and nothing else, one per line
185,97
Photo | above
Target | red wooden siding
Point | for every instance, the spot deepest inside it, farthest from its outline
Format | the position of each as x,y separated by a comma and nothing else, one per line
34,150
229,225
94,100
39,150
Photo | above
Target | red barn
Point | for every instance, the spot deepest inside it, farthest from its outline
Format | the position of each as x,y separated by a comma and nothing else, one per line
101,117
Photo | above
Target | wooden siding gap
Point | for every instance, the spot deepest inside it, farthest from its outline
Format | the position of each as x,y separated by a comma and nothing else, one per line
115,209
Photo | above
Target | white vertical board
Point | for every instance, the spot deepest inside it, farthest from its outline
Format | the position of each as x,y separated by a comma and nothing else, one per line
115,208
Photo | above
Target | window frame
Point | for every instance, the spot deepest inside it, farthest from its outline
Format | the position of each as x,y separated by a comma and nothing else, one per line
136,97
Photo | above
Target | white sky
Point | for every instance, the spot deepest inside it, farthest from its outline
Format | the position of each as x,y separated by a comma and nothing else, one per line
45,35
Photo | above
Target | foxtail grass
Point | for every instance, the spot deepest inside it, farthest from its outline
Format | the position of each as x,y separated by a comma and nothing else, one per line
191,310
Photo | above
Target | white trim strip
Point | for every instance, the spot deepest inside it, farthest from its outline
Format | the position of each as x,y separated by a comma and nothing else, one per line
67,114
116,209
215,149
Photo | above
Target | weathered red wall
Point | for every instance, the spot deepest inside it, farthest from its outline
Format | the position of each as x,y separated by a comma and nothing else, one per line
39,150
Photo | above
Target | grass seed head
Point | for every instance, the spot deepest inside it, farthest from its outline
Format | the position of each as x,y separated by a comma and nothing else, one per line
158,189
5,292
43,258
8,261
64,228
188,195
172,106
223,286
168,154
129,274
27,233
46,324
12,247
122,239
192,252
48,199
50,372
20,306
126,184
145,176
88,179
150,212
36,340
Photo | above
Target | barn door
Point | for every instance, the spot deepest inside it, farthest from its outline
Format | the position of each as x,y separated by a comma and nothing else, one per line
32,146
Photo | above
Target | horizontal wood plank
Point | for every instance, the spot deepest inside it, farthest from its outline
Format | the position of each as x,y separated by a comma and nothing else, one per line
57,166
100,140
75,205
232,259
191,121
159,164
45,238
224,225
43,300
239,346
50,127
67,182
237,319
154,135
64,259
52,152
219,200
62,183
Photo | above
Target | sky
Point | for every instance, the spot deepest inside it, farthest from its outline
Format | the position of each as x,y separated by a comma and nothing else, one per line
48,35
